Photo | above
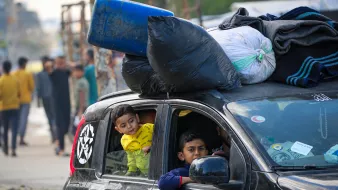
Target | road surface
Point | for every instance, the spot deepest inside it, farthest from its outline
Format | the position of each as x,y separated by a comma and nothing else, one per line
37,166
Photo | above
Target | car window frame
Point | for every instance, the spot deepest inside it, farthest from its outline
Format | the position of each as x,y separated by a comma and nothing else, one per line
219,118
139,104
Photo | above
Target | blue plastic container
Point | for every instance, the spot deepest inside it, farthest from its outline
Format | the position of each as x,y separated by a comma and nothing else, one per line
122,25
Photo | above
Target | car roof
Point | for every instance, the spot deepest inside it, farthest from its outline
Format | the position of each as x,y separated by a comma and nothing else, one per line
216,98
273,89
246,92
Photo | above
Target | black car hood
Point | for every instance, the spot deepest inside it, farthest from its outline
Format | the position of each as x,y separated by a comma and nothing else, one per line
324,179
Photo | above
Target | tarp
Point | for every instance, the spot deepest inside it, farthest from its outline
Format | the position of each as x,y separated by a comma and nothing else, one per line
277,8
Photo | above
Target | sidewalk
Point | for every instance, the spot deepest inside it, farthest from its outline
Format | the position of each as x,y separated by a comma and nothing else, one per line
37,166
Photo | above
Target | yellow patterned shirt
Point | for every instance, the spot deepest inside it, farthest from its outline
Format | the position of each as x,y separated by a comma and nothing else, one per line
142,138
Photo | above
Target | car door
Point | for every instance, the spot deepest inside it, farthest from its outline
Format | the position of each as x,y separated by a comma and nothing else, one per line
240,166
112,166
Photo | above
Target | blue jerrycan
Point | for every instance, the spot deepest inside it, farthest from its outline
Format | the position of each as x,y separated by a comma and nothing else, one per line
122,25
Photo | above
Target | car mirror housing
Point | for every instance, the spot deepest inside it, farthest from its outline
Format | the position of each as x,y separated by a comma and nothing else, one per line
211,170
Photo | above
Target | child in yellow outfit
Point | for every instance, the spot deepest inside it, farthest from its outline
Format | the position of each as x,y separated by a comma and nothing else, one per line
137,138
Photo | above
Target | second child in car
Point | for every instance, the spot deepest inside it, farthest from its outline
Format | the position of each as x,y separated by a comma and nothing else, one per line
137,138
191,146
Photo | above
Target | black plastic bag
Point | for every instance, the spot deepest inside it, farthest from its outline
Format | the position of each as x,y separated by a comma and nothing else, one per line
187,57
140,76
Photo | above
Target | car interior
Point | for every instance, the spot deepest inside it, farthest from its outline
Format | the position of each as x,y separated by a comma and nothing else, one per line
308,122
184,120
116,159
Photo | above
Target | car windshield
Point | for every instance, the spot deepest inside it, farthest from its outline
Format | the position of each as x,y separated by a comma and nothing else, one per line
294,131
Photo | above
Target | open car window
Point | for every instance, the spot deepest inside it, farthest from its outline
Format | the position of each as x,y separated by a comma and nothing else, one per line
188,120
118,161
299,130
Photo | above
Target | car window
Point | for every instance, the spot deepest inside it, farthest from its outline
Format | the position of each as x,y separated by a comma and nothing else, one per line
125,158
184,120
298,130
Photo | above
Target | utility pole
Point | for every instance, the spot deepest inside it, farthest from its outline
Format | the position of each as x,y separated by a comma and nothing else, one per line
83,31
196,8
69,37
150,2
7,29
163,4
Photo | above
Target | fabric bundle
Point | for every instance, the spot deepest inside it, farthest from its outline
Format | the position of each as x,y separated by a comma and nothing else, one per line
298,36
249,51
306,66
301,13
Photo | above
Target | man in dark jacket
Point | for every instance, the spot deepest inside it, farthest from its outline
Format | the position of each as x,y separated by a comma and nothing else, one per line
62,105
45,93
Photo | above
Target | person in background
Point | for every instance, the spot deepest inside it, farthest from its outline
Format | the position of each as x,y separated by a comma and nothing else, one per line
0,122
89,73
45,93
224,150
117,59
81,93
0,112
10,98
60,81
26,82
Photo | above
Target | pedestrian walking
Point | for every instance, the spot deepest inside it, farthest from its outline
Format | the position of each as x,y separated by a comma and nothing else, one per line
0,122
45,94
10,98
81,94
91,77
26,82
116,66
0,113
60,80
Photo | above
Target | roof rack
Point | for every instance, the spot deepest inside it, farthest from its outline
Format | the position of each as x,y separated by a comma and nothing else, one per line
116,94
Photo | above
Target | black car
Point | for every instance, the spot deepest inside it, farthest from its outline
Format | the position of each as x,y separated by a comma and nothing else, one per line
281,137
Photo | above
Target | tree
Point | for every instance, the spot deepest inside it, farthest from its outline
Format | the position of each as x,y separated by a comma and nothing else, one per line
208,7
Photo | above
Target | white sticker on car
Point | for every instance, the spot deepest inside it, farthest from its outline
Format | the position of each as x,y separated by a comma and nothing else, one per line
258,119
321,97
301,148
85,144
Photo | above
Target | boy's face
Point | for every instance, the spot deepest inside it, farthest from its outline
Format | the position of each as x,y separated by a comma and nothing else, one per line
78,73
48,65
192,150
127,124
60,63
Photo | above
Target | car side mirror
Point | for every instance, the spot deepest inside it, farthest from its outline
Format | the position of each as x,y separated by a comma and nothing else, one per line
211,170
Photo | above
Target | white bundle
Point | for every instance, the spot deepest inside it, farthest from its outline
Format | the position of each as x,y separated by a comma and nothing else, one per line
249,51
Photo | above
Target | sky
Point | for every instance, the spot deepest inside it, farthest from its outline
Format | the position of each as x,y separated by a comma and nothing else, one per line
47,9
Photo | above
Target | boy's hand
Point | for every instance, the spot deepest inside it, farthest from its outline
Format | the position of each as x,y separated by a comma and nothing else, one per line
146,149
219,153
186,180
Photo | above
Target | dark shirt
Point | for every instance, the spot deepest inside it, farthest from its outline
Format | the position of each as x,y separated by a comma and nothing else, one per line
91,78
173,179
61,91
43,85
